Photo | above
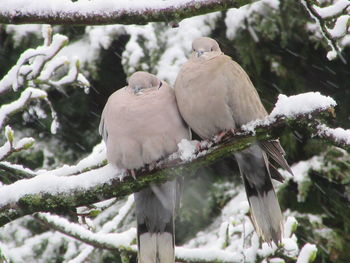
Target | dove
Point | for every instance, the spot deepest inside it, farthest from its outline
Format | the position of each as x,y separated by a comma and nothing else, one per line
214,94
141,124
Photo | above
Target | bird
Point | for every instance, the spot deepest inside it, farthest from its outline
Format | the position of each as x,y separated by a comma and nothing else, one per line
141,124
214,94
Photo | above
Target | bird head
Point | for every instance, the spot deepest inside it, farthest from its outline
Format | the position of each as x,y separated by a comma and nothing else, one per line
204,45
140,81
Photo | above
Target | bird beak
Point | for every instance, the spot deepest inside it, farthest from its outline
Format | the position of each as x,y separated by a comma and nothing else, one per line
199,53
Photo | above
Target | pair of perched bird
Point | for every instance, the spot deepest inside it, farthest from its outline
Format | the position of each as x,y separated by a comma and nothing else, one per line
144,121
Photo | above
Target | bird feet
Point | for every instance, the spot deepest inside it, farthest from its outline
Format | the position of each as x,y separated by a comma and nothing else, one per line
202,145
152,165
218,138
132,173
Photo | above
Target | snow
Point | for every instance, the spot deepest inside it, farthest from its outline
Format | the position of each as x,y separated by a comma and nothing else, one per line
340,27
179,43
51,66
293,106
115,240
339,134
236,17
88,48
301,104
289,226
15,77
339,32
5,149
54,126
301,177
96,158
84,7
26,95
176,42
187,149
332,10
116,221
53,184
211,255
19,32
307,253
70,77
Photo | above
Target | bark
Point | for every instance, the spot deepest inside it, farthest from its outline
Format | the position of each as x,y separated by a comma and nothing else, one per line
66,202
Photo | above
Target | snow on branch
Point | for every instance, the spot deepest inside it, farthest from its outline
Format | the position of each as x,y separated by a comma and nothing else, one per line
335,14
10,147
61,194
26,96
108,11
114,241
36,67
122,242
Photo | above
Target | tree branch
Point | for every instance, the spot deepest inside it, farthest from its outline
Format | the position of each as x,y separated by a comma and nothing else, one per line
50,193
331,37
92,13
122,242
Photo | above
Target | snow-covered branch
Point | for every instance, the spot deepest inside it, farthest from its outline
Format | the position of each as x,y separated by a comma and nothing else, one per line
335,14
51,192
10,147
36,67
26,96
114,241
122,242
110,12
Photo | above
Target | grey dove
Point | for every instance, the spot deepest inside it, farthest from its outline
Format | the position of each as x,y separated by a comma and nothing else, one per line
215,94
141,124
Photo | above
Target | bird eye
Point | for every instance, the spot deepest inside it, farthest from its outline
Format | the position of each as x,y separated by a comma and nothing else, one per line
160,84
212,49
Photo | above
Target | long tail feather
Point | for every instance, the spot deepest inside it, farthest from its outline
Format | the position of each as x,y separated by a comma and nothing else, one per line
266,212
155,212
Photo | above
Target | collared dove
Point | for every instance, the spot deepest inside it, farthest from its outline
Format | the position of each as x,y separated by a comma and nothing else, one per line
141,124
215,94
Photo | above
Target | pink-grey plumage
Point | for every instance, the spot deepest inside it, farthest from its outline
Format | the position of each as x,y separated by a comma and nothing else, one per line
140,125
214,94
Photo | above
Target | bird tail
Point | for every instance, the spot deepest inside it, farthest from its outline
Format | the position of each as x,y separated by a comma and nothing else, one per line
155,213
265,210
155,247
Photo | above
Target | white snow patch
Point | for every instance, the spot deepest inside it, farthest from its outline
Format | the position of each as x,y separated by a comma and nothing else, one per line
340,27
301,177
187,149
301,104
26,95
339,134
19,32
235,17
293,106
97,157
18,167
208,254
116,240
289,226
332,10
53,184
307,253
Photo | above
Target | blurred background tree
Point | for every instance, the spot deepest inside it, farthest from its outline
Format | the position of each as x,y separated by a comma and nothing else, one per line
283,51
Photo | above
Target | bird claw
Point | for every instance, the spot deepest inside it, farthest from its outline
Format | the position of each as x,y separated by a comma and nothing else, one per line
220,135
152,165
202,145
132,173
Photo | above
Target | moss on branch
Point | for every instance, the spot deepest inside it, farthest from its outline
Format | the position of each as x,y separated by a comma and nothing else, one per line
61,203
